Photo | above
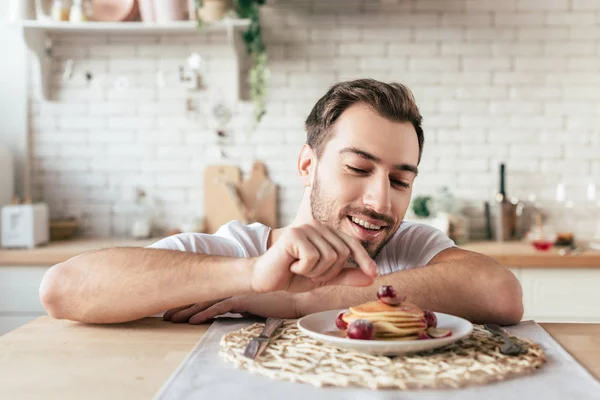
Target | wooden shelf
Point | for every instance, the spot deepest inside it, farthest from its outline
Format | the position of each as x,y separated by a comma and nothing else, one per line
39,34
132,27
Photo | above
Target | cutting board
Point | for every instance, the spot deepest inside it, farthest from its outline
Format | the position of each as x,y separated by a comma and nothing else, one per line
227,197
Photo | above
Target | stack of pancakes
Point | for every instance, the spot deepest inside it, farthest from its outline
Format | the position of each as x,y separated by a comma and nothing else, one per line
401,322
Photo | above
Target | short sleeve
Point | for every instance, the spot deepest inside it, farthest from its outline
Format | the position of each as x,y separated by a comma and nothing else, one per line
200,243
413,246
424,243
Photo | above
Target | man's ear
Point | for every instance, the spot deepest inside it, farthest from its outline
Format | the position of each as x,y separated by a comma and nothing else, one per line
306,165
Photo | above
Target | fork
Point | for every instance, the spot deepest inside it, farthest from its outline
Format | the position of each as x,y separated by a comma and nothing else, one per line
509,346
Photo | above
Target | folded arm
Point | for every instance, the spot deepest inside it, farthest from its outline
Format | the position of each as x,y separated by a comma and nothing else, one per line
124,284
455,281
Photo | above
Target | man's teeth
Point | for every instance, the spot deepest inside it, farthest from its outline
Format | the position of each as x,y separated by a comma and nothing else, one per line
365,224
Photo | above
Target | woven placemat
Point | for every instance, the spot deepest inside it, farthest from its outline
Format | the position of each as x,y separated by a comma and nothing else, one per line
293,356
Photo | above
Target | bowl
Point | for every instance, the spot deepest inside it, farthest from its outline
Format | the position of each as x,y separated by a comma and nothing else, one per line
115,10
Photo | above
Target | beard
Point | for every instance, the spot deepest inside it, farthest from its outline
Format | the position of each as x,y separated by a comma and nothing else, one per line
322,209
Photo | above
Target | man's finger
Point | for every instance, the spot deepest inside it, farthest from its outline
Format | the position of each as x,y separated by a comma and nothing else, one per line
341,249
211,312
184,315
360,255
167,316
328,254
307,255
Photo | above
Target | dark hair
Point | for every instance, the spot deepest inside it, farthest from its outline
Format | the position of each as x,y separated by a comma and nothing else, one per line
393,101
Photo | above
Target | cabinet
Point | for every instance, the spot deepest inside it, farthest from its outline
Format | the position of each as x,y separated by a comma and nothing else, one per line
560,294
19,298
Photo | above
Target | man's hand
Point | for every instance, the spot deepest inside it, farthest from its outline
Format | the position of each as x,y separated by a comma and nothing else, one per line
304,258
311,256
276,304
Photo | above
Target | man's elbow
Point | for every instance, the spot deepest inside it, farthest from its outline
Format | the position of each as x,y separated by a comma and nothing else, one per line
52,291
508,307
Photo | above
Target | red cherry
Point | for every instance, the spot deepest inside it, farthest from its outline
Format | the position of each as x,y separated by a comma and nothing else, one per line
388,295
339,322
430,318
437,333
361,329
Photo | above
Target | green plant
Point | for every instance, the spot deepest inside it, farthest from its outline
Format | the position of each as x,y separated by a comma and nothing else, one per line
257,78
420,206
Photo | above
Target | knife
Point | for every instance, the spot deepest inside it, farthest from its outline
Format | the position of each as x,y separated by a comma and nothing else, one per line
509,347
258,344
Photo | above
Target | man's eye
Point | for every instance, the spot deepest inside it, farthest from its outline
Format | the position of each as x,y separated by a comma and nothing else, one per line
400,183
357,170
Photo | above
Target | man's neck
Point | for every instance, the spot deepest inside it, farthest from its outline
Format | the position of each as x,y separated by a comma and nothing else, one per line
303,216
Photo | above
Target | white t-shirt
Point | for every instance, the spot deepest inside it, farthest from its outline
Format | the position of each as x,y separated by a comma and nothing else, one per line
413,245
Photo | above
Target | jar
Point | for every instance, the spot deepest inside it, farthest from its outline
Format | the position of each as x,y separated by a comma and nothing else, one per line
60,10
79,11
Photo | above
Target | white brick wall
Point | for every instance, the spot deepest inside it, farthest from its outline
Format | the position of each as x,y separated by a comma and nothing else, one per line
514,80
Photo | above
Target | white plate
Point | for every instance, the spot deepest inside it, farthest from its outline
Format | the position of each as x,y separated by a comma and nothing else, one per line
321,326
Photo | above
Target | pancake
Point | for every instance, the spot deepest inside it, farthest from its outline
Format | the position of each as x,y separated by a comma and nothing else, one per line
402,322
405,310
384,328
412,337
349,318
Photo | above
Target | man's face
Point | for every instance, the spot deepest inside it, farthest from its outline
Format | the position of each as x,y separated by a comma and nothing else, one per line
365,176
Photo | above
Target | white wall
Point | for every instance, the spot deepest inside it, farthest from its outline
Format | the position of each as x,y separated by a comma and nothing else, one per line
514,81
13,98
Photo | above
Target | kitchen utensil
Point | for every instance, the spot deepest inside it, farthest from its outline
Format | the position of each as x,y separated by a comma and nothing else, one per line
259,195
488,221
227,197
321,326
25,225
509,347
506,212
258,344
169,10
115,10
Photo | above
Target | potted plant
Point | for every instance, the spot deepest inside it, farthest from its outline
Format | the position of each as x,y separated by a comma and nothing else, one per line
211,10
422,212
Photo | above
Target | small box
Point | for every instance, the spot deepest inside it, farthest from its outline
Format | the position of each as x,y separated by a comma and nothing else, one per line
24,225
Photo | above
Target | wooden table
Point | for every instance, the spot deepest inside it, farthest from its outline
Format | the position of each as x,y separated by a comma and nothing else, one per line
51,359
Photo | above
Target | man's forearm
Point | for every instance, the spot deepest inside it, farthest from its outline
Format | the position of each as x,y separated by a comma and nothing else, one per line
124,284
476,288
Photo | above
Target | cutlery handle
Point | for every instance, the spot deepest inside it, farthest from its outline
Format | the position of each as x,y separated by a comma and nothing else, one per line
495,329
271,326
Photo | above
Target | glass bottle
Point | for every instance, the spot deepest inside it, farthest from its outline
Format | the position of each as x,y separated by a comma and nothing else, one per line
60,10
79,11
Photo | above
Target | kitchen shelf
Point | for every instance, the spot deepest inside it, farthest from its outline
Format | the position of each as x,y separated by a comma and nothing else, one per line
132,27
38,37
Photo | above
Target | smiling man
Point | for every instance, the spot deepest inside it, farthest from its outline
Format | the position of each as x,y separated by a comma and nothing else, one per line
364,145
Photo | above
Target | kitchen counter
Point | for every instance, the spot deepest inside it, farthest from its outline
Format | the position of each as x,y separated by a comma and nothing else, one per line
67,360
519,254
511,254
59,251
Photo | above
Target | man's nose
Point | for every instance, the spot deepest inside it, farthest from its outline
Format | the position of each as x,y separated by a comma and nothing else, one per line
377,196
